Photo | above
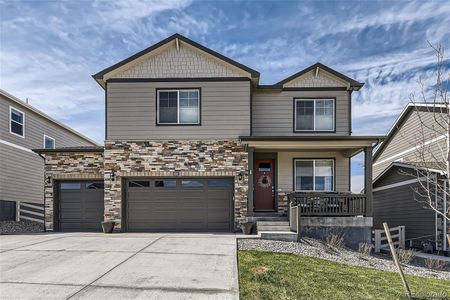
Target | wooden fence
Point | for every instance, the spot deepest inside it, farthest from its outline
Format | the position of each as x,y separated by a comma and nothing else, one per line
30,211
380,239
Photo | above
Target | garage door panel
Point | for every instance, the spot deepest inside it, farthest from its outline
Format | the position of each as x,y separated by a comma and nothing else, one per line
81,206
187,205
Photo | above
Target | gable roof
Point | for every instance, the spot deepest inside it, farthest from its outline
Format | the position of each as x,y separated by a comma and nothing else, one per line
351,82
99,76
427,167
401,120
45,116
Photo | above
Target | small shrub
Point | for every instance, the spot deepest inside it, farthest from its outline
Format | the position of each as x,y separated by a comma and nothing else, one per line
405,256
335,241
365,249
435,264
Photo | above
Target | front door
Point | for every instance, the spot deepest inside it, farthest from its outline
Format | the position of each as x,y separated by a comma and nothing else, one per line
264,185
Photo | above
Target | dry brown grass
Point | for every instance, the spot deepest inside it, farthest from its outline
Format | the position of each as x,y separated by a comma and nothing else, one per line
335,241
259,270
435,264
365,249
405,256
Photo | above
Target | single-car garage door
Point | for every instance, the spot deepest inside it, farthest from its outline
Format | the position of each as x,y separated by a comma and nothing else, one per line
80,206
204,204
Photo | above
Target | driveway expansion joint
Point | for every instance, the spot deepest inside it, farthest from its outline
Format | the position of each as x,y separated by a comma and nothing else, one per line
107,272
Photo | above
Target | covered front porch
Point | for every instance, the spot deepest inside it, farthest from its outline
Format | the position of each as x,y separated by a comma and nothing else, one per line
309,177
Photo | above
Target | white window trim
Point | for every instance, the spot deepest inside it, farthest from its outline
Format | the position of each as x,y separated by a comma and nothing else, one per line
314,174
314,100
178,107
54,141
11,108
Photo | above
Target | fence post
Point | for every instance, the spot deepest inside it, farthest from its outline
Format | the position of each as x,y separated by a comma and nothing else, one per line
17,211
397,263
402,237
298,224
377,240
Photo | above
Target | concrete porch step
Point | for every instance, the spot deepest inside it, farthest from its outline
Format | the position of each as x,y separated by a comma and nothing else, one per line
272,226
267,219
287,236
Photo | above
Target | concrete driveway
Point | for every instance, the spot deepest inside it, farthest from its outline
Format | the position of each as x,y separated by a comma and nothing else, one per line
118,266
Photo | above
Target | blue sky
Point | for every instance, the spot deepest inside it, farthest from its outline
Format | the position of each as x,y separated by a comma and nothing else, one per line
50,49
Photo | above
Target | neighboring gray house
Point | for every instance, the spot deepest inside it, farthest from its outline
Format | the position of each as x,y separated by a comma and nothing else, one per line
194,143
22,128
408,149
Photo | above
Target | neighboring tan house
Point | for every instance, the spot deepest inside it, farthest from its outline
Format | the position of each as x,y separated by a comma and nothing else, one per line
194,143
22,128
400,165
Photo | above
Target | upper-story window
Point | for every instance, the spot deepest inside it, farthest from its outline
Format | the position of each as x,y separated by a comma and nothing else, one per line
16,122
179,107
49,142
314,115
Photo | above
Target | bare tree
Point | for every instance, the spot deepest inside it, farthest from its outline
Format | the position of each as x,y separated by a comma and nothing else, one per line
431,141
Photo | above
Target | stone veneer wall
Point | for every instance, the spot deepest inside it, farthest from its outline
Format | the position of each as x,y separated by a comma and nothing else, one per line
68,166
186,158
283,203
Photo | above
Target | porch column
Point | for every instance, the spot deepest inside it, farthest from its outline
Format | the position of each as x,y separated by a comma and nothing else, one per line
250,182
368,180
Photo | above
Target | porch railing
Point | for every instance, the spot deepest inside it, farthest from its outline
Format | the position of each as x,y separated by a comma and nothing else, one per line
329,204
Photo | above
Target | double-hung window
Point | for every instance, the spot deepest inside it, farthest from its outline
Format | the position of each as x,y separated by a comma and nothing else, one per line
179,107
49,142
314,174
16,122
314,115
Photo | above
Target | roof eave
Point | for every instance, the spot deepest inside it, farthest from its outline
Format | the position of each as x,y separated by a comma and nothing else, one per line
99,76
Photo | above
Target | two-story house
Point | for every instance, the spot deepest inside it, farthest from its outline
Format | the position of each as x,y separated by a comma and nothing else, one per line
22,128
414,156
195,143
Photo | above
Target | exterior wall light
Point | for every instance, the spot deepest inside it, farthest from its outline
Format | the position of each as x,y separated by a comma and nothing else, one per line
240,176
112,176
48,179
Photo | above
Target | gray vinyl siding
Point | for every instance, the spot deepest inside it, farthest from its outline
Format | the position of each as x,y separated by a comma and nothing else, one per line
408,136
21,176
273,112
286,169
397,206
131,111
35,128
21,170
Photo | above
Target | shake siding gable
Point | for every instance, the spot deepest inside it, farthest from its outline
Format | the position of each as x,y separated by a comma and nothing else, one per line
184,62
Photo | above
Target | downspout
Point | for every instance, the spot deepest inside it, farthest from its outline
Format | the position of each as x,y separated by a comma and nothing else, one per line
43,157
436,234
444,231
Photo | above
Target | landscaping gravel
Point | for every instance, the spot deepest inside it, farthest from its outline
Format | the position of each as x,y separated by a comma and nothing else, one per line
316,248
22,226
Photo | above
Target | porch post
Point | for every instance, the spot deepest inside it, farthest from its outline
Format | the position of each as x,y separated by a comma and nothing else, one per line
368,180
250,182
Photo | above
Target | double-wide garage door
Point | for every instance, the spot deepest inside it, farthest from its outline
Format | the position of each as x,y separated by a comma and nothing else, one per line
80,206
204,204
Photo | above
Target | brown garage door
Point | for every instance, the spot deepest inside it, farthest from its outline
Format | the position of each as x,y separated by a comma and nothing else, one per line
80,206
177,205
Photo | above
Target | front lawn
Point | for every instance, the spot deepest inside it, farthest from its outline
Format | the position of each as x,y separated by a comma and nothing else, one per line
267,275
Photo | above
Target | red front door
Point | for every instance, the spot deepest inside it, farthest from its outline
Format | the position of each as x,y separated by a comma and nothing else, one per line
264,185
